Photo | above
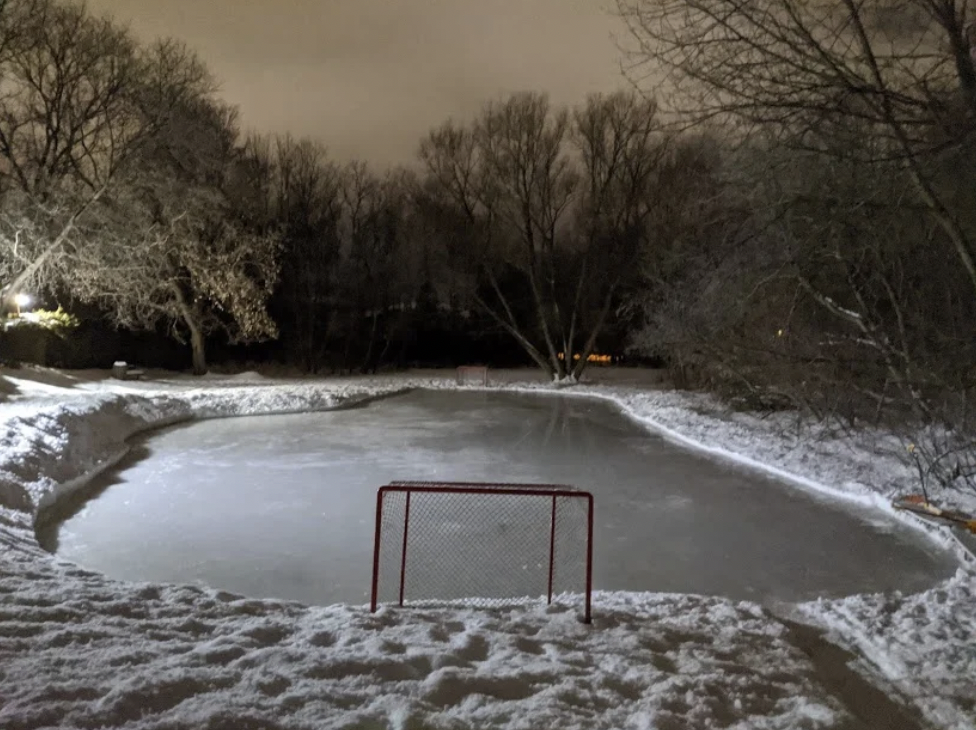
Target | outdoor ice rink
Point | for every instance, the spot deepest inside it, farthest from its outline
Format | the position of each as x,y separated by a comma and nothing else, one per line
283,506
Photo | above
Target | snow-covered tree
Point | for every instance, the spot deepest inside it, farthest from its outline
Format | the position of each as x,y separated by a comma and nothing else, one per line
80,100
175,248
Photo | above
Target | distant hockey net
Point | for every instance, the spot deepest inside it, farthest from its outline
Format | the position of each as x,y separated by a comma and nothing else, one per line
483,545
472,375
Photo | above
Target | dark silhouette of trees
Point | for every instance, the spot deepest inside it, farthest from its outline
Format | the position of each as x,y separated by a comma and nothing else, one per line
555,203
850,144
822,75
308,204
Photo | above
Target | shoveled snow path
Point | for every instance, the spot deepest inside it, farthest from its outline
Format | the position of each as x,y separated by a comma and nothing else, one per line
79,650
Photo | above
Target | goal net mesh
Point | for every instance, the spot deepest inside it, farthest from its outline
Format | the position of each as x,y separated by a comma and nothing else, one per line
485,545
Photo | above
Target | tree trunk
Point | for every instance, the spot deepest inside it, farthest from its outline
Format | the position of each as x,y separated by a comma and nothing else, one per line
571,338
580,366
510,325
387,341
370,346
198,343
197,339
537,357
558,366
346,367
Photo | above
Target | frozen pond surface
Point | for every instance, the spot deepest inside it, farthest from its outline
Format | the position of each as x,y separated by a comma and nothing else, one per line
283,506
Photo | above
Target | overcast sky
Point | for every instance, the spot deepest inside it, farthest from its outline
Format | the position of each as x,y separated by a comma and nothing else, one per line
369,77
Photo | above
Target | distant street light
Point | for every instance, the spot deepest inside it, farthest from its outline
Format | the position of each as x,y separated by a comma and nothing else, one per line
22,301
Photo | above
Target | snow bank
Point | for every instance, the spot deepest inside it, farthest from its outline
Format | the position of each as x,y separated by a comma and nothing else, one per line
165,657
80,650
923,644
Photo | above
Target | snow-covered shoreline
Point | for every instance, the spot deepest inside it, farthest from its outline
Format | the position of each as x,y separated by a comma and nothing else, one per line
50,444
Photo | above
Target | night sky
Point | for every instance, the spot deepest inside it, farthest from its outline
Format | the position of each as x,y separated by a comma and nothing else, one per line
370,77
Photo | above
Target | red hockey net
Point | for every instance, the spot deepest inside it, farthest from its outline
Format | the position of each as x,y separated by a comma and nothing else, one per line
472,375
482,544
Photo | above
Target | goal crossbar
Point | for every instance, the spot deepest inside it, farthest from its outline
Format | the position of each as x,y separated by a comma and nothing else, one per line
554,492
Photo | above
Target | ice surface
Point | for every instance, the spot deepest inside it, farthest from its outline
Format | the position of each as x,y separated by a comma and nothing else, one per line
283,506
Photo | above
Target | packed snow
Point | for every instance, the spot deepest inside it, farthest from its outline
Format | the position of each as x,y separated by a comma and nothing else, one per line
80,650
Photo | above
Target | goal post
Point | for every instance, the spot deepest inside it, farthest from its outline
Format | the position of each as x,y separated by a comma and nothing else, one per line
472,375
482,544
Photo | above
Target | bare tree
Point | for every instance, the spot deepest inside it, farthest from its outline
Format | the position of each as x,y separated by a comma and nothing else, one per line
622,155
808,72
546,213
308,202
79,100
863,116
378,276
531,183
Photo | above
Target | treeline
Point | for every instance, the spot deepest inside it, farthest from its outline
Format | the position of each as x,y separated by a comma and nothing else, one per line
530,221
126,185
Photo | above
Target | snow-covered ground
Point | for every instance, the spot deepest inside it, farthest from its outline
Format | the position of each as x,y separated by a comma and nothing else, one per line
80,650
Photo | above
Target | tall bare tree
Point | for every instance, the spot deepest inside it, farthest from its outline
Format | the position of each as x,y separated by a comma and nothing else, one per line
308,204
623,158
531,184
378,277
546,213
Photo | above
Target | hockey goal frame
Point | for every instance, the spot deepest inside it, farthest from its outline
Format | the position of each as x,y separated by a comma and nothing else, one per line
480,371
551,491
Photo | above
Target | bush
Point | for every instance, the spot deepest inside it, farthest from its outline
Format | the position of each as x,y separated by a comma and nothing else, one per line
57,321
25,341
57,339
